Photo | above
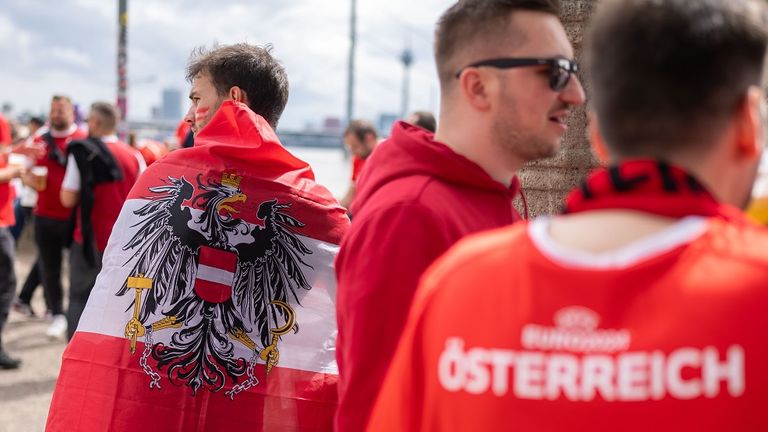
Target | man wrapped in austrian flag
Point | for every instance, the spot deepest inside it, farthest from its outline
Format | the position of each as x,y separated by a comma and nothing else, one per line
215,306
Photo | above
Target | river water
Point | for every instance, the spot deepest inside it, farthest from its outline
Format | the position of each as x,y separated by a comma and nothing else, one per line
330,167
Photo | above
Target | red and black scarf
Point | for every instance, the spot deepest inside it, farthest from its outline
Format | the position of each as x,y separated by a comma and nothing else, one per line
648,186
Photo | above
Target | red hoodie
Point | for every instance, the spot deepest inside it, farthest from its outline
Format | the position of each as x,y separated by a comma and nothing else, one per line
415,199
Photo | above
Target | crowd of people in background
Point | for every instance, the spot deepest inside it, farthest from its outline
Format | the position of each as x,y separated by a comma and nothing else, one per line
45,185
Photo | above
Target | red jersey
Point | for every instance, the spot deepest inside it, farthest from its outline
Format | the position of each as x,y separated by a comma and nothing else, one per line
108,197
357,167
511,331
48,200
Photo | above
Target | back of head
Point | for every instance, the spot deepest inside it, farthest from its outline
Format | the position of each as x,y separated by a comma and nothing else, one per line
249,67
360,129
107,115
36,122
469,25
667,75
423,119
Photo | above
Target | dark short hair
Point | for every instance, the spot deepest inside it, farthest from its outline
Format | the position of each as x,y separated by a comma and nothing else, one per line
668,74
108,114
250,67
360,128
425,119
61,98
469,20
37,120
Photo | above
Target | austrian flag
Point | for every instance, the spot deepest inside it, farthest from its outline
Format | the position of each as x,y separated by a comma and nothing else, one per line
215,308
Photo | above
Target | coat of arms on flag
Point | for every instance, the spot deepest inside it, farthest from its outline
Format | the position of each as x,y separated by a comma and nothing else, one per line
216,279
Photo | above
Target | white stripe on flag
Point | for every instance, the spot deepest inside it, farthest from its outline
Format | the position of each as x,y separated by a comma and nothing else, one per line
215,275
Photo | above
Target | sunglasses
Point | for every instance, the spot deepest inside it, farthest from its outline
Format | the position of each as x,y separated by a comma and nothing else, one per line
560,69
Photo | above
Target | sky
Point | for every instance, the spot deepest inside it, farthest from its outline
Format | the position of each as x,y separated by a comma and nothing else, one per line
70,47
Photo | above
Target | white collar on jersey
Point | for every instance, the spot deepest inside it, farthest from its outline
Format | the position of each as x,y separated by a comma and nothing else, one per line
683,231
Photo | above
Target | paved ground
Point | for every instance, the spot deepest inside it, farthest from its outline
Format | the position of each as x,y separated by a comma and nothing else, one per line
25,393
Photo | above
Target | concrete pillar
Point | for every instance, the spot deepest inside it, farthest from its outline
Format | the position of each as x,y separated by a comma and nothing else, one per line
546,182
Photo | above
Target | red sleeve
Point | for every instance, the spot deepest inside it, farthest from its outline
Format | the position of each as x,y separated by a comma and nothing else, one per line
5,131
378,270
357,167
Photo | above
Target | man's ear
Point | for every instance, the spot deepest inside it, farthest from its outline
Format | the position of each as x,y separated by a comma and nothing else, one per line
750,120
237,94
474,87
596,139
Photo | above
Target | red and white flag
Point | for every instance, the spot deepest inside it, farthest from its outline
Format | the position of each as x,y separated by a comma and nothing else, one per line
215,308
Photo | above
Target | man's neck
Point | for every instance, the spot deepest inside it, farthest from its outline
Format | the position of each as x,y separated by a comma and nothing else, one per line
475,145
605,230
64,132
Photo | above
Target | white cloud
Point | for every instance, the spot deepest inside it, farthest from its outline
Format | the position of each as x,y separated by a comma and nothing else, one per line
69,56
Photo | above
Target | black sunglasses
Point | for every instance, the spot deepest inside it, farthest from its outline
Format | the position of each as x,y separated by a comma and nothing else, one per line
560,69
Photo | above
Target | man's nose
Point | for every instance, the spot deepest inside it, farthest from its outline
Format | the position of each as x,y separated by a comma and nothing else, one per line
573,93
189,117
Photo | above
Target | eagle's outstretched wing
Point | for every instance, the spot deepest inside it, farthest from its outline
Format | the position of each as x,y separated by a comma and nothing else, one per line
271,267
161,245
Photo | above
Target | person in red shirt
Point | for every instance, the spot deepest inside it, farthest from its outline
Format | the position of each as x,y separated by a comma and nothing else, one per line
100,172
7,250
360,138
642,307
52,219
421,192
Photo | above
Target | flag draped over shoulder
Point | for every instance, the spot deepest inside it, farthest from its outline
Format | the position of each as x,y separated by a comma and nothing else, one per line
214,310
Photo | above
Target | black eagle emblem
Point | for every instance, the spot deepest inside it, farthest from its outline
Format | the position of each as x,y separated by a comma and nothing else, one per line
177,225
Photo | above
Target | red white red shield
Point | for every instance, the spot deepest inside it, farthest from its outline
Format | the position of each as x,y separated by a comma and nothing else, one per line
215,274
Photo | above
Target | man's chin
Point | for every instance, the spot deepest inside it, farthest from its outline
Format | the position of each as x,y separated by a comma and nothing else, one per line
548,149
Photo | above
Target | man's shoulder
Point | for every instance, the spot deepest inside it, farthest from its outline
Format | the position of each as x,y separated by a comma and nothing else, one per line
743,241
419,190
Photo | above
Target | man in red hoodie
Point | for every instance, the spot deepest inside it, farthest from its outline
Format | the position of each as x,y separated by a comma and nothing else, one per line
507,84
